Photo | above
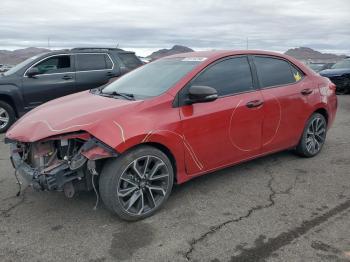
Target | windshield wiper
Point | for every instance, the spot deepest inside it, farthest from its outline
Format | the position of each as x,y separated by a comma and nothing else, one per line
124,95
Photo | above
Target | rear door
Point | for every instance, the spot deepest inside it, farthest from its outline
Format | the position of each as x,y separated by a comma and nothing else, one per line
56,79
285,91
228,129
93,70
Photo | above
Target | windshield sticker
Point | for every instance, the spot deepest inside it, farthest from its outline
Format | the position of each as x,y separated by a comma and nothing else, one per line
194,59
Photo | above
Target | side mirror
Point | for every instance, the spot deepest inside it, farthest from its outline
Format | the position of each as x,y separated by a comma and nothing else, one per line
201,94
33,72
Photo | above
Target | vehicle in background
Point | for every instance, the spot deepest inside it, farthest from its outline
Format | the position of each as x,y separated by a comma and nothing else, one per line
4,68
145,60
51,75
317,67
169,121
339,74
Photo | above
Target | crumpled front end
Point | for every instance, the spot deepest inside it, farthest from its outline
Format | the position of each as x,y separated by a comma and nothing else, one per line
63,163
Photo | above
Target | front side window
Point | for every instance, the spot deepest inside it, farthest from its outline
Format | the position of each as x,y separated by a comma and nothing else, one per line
152,79
275,72
54,64
229,76
87,62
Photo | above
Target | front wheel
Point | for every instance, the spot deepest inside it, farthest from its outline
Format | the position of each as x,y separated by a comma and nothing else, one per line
7,116
313,137
136,184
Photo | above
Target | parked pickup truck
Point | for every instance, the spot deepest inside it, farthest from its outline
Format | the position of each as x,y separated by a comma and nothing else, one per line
51,75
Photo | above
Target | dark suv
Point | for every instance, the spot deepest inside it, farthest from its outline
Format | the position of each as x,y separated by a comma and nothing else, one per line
339,74
50,75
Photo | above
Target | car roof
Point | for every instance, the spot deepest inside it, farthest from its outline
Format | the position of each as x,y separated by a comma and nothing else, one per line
222,53
217,54
89,50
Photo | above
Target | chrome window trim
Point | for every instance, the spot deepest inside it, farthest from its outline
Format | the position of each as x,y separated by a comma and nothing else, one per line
81,71
24,75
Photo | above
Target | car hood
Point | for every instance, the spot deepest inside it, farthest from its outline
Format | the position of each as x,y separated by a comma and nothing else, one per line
334,72
78,112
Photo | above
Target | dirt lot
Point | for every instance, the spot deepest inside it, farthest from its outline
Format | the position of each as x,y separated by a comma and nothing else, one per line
277,208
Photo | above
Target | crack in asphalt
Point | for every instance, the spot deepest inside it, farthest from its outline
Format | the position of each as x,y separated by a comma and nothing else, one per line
216,228
5,212
263,250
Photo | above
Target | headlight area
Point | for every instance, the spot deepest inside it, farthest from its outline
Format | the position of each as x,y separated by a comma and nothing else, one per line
63,163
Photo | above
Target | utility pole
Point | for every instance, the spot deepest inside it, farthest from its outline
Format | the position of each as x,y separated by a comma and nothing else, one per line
247,43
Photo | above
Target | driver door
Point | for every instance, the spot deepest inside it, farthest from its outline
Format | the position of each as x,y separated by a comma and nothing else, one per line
56,78
227,130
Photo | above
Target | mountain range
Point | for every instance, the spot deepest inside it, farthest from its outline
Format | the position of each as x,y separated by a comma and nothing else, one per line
19,55
176,49
301,53
308,54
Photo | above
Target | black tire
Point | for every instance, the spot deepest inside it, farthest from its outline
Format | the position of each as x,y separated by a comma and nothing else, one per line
307,146
118,172
343,90
6,110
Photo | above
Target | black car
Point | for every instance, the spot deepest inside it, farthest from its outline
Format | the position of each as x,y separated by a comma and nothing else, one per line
55,74
339,74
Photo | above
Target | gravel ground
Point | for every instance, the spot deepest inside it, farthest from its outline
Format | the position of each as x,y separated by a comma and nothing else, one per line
276,208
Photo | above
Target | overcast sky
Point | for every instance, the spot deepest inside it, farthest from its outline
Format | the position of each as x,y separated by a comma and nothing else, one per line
145,26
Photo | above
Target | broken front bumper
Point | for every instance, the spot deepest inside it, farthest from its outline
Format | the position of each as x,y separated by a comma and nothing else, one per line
45,180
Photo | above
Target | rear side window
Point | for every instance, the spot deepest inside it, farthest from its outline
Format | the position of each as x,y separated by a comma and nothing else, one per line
297,74
275,72
129,60
229,76
54,64
87,62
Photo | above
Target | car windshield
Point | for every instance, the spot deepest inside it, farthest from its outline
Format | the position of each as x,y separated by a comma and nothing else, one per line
342,64
152,79
20,65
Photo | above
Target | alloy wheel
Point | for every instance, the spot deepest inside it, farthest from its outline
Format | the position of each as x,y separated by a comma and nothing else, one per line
316,135
4,118
143,185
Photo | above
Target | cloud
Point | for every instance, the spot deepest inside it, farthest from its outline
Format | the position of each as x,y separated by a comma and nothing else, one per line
149,25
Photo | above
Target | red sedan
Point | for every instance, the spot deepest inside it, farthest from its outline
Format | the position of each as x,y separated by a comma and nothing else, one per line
169,121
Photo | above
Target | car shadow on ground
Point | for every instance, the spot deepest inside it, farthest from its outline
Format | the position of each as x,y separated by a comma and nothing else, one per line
205,184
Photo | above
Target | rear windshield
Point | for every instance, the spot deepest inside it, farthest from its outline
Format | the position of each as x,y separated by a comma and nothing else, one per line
129,60
152,79
342,64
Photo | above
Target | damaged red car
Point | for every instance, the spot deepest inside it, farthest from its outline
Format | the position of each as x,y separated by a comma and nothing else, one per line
170,121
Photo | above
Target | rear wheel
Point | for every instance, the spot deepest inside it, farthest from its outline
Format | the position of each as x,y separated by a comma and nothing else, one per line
341,91
313,137
136,184
7,116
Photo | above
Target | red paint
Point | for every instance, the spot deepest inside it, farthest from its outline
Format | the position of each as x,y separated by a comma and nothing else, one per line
201,137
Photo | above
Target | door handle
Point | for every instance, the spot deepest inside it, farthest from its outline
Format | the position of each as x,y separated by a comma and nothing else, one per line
254,103
306,91
66,77
109,74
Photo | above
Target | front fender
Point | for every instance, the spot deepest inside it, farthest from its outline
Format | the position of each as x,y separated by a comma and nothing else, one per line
14,93
123,138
